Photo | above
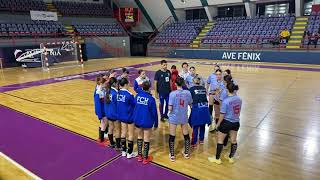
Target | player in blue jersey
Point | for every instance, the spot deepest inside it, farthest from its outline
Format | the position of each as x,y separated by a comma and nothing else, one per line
111,112
125,107
223,95
137,86
229,122
212,78
193,74
214,94
179,101
125,74
99,98
145,117
200,115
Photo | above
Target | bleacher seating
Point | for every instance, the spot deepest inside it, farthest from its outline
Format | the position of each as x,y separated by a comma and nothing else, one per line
41,28
109,29
245,30
22,5
82,9
313,28
180,32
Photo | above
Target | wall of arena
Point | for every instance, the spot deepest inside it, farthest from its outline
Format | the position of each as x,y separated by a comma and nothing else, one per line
298,57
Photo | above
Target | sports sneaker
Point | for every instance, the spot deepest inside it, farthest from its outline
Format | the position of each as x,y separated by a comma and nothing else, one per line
104,143
214,160
132,155
140,159
172,158
231,160
186,156
212,128
146,161
105,135
201,142
194,145
113,146
123,153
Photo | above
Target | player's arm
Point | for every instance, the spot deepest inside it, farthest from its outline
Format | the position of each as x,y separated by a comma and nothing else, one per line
156,79
156,93
220,119
171,100
223,110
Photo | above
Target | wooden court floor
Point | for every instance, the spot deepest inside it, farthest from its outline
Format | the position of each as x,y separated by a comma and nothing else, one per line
279,136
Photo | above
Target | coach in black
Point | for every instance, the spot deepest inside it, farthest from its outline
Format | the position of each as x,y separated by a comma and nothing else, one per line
162,81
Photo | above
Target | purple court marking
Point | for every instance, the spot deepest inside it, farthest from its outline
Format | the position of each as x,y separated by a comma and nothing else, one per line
93,74
87,76
48,151
122,168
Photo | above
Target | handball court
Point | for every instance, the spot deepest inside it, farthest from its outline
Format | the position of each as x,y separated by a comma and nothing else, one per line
48,127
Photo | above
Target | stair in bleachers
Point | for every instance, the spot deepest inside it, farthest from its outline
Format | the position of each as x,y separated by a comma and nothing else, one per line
71,29
197,41
297,33
52,8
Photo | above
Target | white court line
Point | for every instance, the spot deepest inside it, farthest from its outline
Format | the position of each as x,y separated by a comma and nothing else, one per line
20,167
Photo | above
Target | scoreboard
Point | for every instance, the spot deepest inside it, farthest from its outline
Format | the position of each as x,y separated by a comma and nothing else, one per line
129,15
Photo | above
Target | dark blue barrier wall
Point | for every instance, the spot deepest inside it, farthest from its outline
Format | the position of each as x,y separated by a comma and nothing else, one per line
95,52
243,55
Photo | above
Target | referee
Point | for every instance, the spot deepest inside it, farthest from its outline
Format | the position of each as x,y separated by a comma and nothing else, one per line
162,80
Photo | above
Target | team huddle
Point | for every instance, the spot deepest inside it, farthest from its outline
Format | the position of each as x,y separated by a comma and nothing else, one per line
120,112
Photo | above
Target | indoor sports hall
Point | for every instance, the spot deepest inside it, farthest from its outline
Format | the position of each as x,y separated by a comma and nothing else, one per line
53,53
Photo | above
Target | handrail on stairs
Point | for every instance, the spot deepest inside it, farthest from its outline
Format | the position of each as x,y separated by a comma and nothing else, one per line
169,20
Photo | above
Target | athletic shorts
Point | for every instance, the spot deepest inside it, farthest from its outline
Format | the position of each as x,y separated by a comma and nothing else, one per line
227,126
113,120
127,122
139,127
216,102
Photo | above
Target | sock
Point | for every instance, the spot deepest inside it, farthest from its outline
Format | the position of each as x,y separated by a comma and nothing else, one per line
110,136
217,119
146,150
101,135
139,144
186,144
123,144
233,150
171,144
118,144
107,129
130,147
225,141
210,109
219,150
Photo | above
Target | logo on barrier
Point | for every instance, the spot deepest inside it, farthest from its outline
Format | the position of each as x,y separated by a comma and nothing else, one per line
33,55
248,56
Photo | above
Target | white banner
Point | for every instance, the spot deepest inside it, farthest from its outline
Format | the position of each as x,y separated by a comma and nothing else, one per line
44,15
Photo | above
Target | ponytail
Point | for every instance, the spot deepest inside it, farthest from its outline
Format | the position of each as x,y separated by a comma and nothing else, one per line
232,87
111,83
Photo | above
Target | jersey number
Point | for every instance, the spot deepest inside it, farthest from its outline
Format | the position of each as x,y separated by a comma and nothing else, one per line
181,103
236,110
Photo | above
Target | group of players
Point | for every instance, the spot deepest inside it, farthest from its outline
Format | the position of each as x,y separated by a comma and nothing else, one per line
120,112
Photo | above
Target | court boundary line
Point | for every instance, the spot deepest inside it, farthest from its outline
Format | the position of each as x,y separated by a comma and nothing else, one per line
248,126
48,103
25,170
92,171
278,99
54,79
89,138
